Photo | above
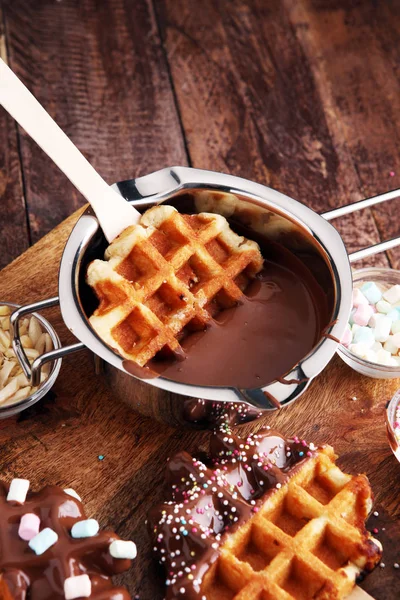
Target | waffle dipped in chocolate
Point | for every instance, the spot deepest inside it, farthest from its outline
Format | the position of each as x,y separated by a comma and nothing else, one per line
262,518
166,277
56,566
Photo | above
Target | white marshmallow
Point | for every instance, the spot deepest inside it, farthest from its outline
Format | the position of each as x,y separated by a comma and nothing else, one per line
382,329
392,295
396,340
390,345
123,549
383,307
79,586
73,493
359,349
371,356
18,490
384,358
396,360
376,347
395,327
374,319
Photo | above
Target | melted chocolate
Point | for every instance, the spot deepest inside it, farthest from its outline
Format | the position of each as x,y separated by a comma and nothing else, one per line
214,495
33,577
277,323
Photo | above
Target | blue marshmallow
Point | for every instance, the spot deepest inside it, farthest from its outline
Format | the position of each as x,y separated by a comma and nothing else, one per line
85,529
394,314
371,292
364,335
43,541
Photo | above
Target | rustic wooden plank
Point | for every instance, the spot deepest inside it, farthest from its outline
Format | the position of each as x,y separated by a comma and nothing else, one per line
253,103
100,71
14,235
355,51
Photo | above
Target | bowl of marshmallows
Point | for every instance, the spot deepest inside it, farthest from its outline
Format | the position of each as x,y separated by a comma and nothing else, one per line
371,342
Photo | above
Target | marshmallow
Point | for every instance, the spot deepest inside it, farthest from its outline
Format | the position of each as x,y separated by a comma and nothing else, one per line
28,526
392,295
73,493
122,549
382,329
383,307
394,314
390,345
376,346
375,318
358,297
396,340
363,314
364,335
359,349
371,356
395,327
384,358
18,490
79,586
43,541
85,529
371,292
347,336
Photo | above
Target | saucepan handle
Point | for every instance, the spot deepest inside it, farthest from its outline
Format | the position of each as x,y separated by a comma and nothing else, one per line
355,207
32,372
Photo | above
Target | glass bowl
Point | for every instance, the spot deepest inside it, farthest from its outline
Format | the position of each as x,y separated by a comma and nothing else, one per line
13,409
393,431
385,278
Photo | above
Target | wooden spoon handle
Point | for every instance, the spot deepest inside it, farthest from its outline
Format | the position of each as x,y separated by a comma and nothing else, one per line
112,211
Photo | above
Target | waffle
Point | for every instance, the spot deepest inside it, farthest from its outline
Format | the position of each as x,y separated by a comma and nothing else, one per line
303,538
167,277
307,541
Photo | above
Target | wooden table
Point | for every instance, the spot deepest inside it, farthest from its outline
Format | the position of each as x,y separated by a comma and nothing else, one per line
300,95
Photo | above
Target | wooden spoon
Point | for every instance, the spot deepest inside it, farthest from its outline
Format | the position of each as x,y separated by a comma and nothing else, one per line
113,212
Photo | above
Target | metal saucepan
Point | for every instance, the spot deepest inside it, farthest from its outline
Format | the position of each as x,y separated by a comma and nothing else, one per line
258,208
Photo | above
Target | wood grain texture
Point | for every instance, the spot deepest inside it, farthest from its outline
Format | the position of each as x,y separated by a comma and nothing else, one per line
100,71
14,236
59,439
300,95
257,91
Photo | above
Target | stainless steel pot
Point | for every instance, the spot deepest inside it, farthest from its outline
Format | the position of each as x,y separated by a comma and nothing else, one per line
258,208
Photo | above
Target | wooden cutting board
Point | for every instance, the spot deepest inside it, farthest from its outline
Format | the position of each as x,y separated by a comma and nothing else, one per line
59,440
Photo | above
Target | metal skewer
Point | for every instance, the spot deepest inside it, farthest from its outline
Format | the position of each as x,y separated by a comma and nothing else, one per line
356,206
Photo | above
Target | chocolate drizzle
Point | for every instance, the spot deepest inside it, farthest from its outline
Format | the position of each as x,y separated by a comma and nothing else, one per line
209,497
42,577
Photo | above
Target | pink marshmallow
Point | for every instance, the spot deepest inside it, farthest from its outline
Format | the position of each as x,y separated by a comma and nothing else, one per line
29,526
363,314
347,337
358,298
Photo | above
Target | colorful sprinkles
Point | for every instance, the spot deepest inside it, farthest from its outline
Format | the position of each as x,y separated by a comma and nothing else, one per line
212,496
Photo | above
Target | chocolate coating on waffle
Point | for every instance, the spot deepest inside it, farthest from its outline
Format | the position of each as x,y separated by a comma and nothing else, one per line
42,577
215,495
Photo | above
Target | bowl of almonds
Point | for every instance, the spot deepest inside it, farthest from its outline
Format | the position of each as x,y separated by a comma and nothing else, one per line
37,337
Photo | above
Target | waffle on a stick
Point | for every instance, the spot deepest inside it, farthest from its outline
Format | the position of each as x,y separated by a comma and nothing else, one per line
263,518
166,277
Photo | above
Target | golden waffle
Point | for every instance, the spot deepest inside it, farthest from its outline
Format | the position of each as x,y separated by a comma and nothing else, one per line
166,277
307,541
303,538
